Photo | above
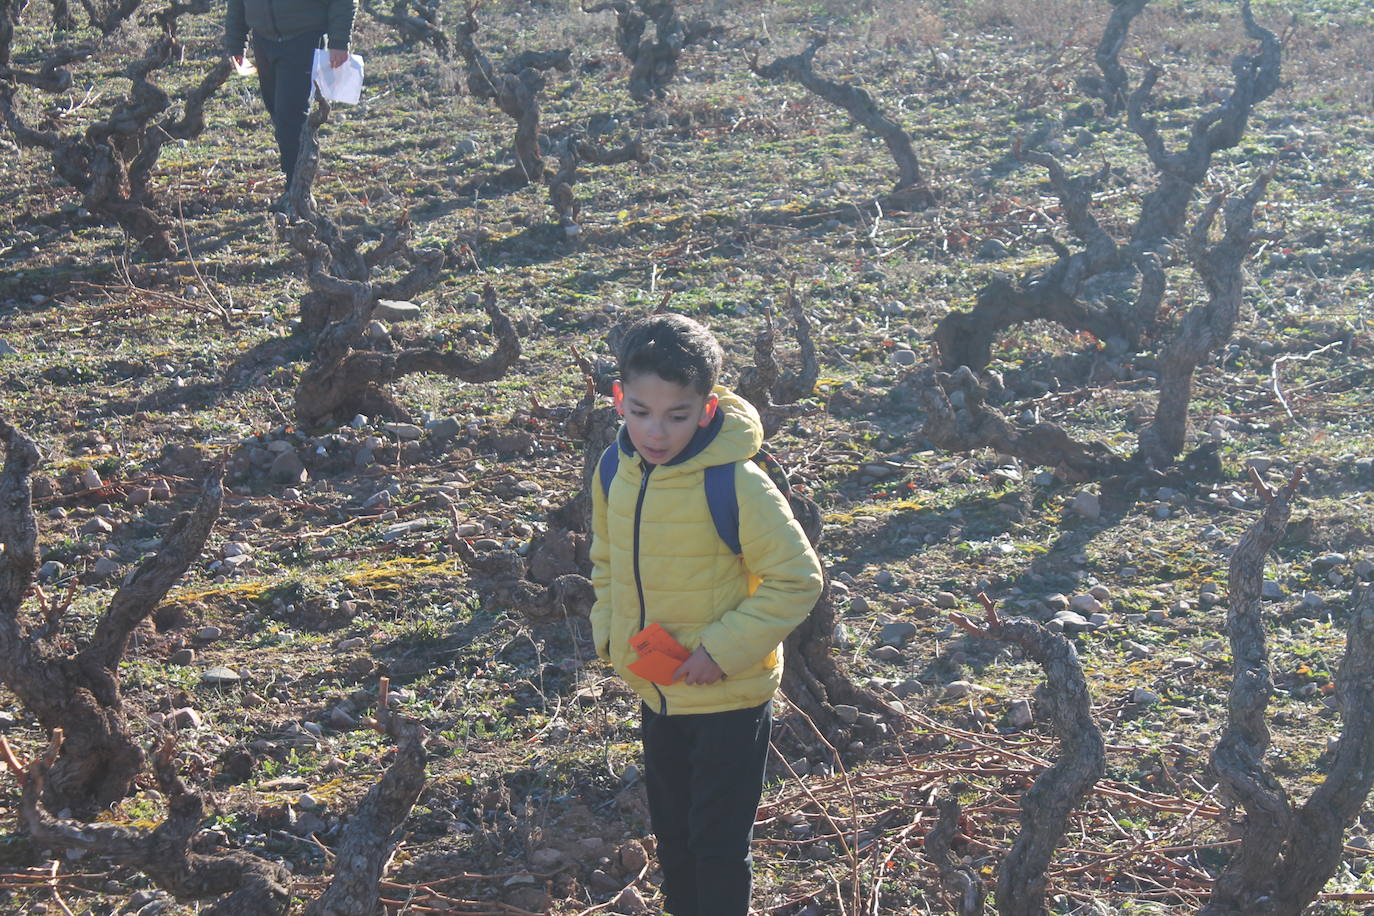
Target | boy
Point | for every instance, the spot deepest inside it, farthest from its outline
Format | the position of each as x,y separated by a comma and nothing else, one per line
658,558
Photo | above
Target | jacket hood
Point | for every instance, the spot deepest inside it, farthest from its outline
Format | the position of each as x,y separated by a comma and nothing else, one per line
735,434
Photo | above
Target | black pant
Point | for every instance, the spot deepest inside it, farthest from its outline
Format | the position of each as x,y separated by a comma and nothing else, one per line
284,78
704,775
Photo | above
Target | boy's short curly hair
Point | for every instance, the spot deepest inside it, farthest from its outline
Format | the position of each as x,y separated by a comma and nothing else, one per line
673,347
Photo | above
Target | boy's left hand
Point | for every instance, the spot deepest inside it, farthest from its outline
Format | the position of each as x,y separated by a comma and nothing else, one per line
701,668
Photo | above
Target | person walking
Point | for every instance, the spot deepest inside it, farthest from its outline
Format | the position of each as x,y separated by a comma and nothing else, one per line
285,34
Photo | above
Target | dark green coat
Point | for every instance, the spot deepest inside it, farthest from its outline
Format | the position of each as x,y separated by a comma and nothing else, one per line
279,19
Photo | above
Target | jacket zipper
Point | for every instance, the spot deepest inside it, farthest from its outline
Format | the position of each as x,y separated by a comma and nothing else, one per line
639,583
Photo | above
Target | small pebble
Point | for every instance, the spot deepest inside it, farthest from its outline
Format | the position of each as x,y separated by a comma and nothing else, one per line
956,690
1143,697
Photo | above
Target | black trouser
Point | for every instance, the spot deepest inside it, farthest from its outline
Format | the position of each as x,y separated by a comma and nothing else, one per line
284,78
704,775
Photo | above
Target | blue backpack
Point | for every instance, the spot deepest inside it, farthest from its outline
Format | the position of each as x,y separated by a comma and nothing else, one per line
720,489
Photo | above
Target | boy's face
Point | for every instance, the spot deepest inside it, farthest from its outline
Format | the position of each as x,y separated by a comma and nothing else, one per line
661,416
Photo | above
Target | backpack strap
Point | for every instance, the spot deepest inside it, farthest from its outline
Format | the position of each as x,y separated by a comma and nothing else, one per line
724,504
607,466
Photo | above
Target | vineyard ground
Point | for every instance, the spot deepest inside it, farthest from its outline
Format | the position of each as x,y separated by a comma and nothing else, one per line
120,365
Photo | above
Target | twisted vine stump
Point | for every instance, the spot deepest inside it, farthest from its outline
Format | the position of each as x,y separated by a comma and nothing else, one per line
66,682
910,192
503,577
108,15
967,338
53,75
813,682
62,18
1164,210
953,393
244,884
565,547
595,423
341,273
374,828
653,64
344,380
1286,854
573,151
112,161
247,885
963,888
550,582
515,90
1046,805
958,419
1238,758
345,377
772,391
105,17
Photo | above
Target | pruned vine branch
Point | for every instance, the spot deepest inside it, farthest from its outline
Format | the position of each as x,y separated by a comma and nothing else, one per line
773,391
911,191
1114,85
415,21
1047,804
514,88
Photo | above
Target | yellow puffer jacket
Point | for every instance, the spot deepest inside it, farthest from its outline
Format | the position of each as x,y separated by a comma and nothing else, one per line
740,609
